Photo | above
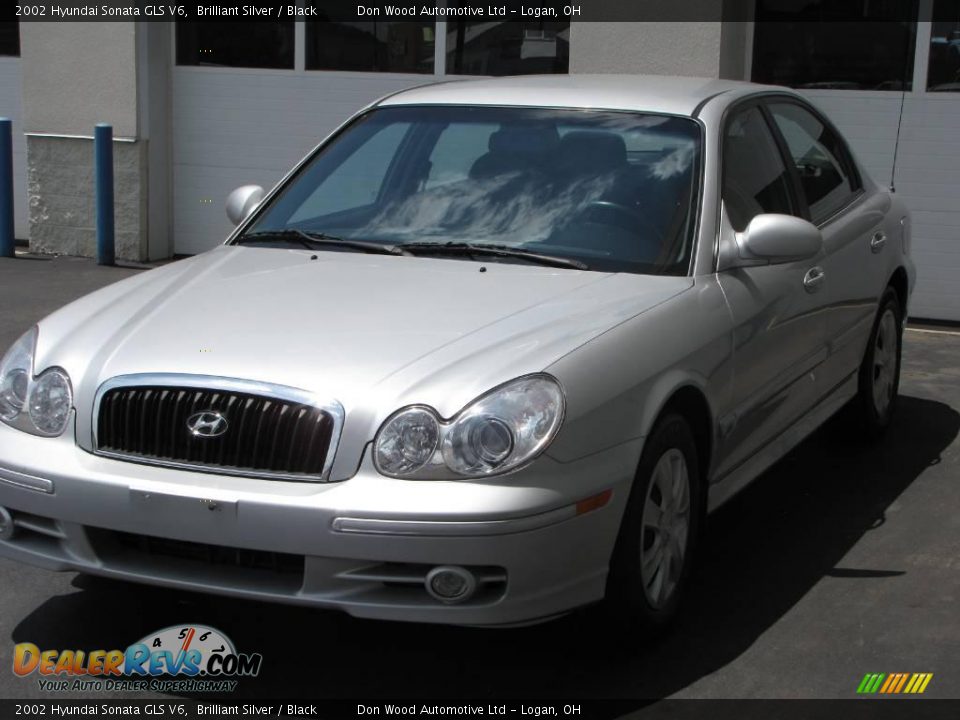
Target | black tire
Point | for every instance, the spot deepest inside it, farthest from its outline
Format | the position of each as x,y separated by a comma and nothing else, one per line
628,602
874,415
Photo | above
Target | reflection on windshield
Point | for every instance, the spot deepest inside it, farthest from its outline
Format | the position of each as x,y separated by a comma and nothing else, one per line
612,189
507,208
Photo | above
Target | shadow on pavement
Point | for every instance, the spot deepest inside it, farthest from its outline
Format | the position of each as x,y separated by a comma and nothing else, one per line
763,552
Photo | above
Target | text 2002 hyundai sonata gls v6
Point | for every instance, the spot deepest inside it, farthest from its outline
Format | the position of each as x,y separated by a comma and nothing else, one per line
490,353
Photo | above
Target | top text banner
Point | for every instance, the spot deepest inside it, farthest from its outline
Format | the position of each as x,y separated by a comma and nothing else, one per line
451,10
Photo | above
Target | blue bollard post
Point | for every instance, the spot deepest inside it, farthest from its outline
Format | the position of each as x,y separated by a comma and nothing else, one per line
7,241
103,160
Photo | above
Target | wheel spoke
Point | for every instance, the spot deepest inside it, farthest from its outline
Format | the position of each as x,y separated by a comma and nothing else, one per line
652,515
677,545
653,558
664,485
682,504
655,585
666,571
677,480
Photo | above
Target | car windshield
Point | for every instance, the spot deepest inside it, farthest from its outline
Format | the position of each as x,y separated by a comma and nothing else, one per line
612,191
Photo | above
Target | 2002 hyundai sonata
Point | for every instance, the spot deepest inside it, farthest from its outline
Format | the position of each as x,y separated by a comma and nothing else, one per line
490,352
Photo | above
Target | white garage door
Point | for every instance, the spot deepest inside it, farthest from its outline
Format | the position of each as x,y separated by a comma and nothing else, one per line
232,127
927,178
886,65
10,107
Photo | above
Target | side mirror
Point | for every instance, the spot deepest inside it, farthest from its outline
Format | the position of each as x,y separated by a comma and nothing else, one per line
772,239
243,201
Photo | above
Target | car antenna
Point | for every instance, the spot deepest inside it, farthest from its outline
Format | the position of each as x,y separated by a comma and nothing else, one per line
903,98
896,144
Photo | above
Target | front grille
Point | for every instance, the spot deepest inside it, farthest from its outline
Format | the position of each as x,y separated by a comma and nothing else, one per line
263,436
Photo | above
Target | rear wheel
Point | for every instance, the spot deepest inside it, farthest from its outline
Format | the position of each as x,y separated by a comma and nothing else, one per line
653,556
879,379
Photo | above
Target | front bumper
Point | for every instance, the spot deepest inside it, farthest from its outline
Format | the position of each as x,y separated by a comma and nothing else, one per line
363,546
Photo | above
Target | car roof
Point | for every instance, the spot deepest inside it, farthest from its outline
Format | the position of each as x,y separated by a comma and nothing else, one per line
673,95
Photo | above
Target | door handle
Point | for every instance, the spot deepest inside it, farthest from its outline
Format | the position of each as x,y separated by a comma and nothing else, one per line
877,242
814,279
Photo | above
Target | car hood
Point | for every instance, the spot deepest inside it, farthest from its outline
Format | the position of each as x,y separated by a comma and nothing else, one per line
347,326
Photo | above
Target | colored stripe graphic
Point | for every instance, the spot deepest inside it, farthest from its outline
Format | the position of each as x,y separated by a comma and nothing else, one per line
870,683
903,681
910,685
894,683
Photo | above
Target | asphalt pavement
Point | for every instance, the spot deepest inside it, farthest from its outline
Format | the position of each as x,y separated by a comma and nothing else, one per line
843,559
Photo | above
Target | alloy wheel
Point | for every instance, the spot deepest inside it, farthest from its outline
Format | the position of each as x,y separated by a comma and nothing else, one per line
885,362
665,527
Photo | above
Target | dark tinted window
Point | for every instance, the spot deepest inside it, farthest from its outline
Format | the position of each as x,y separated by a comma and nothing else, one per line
507,48
943,73
755,180
823,164
838,44
405,47
236,44
10,38
613,190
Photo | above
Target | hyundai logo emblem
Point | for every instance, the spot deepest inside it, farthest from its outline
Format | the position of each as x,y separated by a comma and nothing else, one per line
207,424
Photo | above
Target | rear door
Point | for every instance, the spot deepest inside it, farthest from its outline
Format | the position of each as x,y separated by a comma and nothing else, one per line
779,327
851,223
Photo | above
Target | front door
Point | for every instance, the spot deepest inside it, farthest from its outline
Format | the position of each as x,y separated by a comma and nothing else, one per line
853,237
779,325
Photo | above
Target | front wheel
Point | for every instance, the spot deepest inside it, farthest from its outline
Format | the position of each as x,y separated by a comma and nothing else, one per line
653,556
879,379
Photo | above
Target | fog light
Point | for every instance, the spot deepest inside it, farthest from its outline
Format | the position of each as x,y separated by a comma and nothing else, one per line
451,584
6,524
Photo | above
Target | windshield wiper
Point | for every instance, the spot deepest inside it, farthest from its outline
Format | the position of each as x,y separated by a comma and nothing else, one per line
316,240
462,248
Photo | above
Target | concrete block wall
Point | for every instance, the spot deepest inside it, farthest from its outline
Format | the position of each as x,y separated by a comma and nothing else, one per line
60,184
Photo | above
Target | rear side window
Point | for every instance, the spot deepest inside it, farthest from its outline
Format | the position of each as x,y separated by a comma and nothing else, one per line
755,179
824,167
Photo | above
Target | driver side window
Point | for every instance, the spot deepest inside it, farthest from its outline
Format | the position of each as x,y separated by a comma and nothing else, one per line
755,179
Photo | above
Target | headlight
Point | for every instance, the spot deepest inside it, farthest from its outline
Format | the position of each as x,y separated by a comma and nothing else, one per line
50,399
36,405
494,434
15,370
407,442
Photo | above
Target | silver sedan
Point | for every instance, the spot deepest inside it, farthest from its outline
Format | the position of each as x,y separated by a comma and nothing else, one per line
492,351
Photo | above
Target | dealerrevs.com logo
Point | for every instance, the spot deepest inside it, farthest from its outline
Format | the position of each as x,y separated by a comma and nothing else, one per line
180,658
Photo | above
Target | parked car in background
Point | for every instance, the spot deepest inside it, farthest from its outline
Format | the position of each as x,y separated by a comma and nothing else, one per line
491,352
